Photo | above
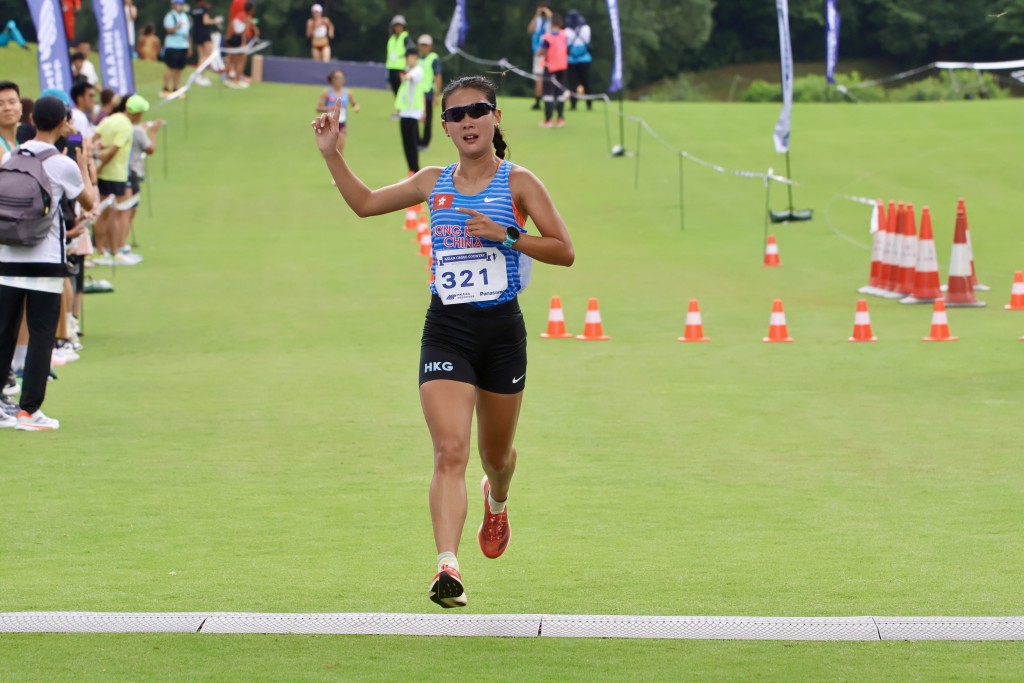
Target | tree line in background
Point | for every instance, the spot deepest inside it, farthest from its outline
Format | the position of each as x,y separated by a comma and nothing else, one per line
661,38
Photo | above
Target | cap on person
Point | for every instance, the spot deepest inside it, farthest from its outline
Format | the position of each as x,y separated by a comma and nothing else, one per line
317,9
425,40
136,104
397,19
48,112
59,94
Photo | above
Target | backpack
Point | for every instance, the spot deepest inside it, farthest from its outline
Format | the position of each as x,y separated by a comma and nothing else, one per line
26,198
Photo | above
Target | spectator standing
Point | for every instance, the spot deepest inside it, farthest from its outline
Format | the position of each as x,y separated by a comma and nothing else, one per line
538,26
320,33
577,37
84,97
241,28
144,134
10,115
176,46
149,44
409,103
87,70
329,98
114,133
555,51
78,62
108,102
202,36
131,14
431,65
398,46
32,278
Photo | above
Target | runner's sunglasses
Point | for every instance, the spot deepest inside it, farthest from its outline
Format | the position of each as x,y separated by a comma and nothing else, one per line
475,111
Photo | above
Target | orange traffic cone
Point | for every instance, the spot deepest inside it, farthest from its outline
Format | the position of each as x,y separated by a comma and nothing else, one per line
895,252
885,269
940,325
926,272
877,245
425,243
592,330
959,292
556,321
862,324
771,253
1016,293
410,219
694,331
777,331
908,253
962,206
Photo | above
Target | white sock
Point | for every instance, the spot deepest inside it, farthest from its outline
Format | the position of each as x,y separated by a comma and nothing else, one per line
496,507
447,557
20,352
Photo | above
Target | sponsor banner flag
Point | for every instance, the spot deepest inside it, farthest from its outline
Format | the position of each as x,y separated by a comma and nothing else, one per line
781,135
115,52
613,16
456,36
54,58
831,40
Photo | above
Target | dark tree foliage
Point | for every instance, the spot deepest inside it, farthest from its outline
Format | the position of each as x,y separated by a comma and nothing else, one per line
661,37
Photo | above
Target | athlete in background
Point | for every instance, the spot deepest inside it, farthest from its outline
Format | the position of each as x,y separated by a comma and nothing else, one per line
473,350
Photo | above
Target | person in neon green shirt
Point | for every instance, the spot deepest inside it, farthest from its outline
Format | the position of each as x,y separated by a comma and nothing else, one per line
398,43
431,83
114,139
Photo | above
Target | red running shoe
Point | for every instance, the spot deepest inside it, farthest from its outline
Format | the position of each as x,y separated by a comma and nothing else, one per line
446,589
495,532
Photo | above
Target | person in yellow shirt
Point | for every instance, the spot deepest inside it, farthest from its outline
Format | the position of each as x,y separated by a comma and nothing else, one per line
114,140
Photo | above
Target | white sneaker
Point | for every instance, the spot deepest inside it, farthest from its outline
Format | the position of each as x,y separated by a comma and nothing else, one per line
66,351
131,255
125,260
7,421
203,80
104,259
36,422
57,360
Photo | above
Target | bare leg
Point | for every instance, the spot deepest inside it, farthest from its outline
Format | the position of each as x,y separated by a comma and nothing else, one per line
496,419
122,223
448,409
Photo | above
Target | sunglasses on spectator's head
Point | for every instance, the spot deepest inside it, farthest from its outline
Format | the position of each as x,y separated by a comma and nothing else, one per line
475,111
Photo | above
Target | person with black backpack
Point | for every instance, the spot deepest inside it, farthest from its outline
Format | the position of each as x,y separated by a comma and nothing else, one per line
34,178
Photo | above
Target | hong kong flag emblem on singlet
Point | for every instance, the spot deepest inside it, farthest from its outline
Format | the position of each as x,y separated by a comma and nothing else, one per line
443,201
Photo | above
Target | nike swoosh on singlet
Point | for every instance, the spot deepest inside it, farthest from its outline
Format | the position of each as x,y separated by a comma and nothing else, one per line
488,200
515,380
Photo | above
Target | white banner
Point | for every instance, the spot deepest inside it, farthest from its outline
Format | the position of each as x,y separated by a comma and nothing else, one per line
781,135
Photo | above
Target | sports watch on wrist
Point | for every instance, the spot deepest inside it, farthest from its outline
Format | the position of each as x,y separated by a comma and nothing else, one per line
511,236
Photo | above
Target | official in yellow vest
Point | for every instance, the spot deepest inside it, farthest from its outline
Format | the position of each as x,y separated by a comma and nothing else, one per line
431,84
409,103
398,43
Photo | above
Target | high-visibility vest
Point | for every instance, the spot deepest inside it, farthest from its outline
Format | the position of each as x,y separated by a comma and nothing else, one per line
557,57
427,84
396,51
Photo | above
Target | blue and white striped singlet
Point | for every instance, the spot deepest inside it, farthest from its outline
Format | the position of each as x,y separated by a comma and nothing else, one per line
447,226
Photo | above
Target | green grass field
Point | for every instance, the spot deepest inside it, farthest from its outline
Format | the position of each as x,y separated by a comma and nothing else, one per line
243,432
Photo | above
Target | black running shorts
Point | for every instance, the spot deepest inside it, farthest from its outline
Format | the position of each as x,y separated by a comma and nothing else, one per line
482,346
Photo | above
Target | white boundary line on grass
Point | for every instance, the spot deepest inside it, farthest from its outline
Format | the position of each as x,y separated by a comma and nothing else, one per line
524,625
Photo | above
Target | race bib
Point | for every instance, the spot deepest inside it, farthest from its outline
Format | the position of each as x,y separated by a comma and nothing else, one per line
463,275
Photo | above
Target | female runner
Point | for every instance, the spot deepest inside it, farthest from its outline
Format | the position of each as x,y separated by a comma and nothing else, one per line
473,351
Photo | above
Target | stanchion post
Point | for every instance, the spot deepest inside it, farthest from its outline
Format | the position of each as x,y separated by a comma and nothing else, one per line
682,210
767,208
636,181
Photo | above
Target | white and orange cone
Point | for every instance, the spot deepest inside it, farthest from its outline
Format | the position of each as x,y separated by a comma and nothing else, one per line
425,246
592,329
777,331
771,253
877,246
894,255
556,321
694,331
908,253
862,324
940,324
959,292
1016,293
961,205
886,268
926,272
410,218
